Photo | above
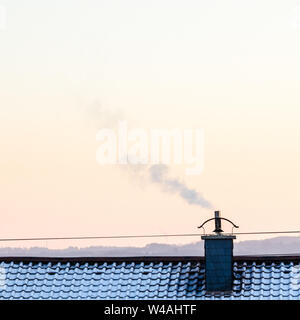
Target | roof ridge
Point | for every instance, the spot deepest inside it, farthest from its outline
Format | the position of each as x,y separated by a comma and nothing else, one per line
264,258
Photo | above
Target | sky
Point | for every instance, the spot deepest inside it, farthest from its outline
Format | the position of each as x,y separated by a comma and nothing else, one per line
230,67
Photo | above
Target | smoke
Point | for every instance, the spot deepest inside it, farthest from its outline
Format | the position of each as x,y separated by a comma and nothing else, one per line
103,117
159,174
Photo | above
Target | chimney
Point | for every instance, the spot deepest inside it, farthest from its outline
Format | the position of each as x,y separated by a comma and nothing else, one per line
218,257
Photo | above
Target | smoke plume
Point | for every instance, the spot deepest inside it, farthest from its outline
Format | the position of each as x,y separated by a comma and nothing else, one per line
159,174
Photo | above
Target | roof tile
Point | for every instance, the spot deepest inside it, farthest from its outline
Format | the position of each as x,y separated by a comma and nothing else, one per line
145,280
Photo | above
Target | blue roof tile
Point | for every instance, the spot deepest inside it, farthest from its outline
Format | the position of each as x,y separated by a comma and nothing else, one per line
144,279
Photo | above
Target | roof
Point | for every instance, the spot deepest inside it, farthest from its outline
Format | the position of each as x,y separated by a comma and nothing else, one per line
268,277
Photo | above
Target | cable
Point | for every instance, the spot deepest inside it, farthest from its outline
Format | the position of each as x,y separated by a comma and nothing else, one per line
104,237
265,232
142,236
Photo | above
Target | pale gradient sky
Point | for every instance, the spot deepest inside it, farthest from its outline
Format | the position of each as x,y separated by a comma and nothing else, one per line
230,67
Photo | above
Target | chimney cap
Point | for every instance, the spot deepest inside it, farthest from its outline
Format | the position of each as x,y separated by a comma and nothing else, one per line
218,237
218,225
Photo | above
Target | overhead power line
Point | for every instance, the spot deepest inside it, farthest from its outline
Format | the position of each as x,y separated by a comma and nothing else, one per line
142,236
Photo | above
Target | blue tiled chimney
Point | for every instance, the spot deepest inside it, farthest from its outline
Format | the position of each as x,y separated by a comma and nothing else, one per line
218,258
